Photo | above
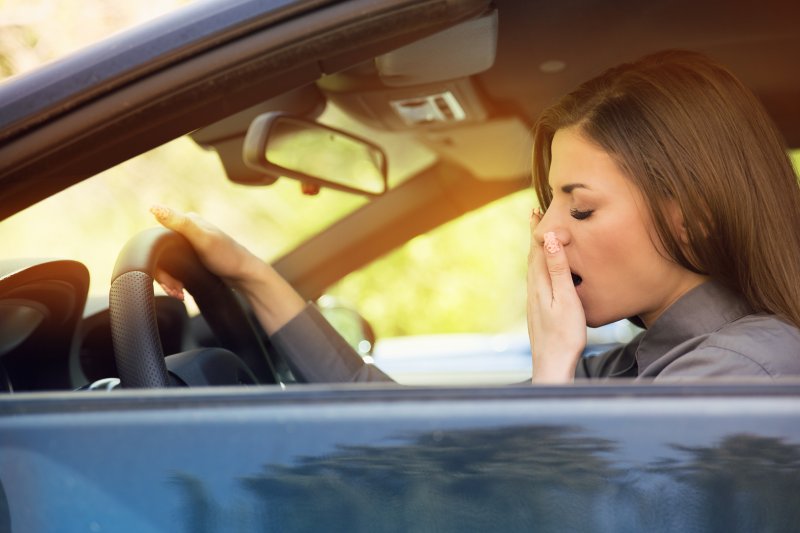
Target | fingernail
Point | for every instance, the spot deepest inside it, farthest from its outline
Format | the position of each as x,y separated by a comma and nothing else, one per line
551,243
161,212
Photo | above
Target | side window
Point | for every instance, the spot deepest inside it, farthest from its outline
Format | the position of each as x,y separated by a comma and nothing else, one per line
467,276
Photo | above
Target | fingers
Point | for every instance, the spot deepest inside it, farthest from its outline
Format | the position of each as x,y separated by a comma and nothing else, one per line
183,224
548,260
172,219
538,277
171,286
190,225
536,217
557,266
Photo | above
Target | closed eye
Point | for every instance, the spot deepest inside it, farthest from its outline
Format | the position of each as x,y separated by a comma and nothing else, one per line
580,215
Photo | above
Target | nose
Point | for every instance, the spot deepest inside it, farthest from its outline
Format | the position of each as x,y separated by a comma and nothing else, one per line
551,222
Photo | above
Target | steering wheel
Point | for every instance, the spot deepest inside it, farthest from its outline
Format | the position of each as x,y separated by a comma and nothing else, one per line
134,329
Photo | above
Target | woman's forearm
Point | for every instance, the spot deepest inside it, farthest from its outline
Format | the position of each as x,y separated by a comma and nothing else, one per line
273,300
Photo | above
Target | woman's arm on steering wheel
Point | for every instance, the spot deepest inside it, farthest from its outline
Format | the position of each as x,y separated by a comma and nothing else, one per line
272,299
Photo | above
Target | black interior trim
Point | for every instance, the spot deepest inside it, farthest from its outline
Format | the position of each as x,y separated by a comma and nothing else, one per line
621,390
57,289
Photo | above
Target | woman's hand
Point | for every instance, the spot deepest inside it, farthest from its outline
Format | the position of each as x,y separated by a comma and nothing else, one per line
220,254
556,323
274,301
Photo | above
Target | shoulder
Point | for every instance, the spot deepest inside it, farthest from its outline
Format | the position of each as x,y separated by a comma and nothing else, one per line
758,345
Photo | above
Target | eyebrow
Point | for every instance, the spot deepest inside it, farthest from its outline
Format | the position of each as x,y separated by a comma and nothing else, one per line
569,187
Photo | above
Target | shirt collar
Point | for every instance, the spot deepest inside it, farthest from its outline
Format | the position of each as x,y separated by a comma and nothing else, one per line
702,310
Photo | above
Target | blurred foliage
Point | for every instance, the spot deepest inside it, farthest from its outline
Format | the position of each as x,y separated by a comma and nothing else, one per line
544,478
90,221
468,275
33,32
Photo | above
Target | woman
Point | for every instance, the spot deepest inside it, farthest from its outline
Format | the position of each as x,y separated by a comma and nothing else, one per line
669,199
673,199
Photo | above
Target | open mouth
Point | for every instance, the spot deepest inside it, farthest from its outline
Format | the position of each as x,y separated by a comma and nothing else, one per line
576,279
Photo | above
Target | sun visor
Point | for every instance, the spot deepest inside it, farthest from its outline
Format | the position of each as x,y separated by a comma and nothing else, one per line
497,149
458,52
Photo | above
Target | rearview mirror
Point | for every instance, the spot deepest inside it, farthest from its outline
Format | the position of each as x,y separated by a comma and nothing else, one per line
280,145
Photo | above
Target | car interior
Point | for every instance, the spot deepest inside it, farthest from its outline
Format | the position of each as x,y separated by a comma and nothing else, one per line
450,89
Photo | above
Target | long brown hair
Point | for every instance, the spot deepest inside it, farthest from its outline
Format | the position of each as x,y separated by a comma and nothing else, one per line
687,132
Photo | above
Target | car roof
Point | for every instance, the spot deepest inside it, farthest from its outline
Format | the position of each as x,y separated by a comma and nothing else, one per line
211,60
758,41
110,63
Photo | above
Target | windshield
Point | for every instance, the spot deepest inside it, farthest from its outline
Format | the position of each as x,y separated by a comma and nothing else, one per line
108,209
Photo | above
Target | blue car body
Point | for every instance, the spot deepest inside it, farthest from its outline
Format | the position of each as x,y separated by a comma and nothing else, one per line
621,458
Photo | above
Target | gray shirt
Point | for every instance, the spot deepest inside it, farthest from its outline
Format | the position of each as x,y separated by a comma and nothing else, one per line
316,353
709,332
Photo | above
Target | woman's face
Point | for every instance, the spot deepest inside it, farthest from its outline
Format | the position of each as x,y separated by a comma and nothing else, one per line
602,220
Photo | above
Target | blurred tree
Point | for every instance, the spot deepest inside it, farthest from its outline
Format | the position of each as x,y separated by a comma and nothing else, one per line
33,32
468,275
542,478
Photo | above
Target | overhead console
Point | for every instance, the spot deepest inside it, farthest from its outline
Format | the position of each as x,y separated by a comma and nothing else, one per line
428,88
425,83
433,105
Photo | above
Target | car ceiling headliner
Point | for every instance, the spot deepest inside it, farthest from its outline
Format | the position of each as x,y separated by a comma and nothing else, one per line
758,41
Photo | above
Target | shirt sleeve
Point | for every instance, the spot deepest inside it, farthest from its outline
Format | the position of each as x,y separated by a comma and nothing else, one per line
316,353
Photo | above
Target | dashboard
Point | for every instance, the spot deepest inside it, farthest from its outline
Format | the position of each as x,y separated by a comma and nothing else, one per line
50,339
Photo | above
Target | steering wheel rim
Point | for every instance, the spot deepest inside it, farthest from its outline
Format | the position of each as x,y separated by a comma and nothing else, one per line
134,330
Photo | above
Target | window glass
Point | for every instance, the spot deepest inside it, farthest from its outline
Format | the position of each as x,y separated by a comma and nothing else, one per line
91,221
